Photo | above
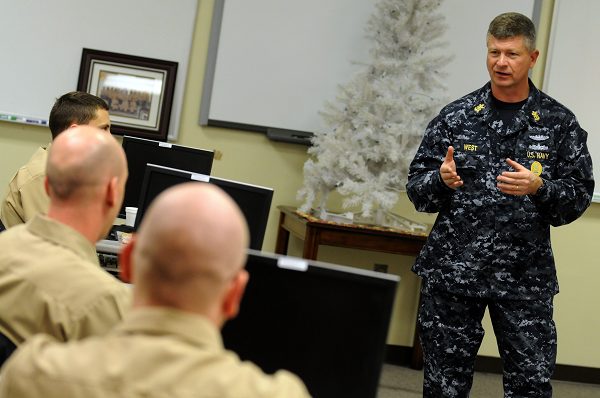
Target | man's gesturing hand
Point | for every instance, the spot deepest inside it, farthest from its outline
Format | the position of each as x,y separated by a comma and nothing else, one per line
522,181
448,170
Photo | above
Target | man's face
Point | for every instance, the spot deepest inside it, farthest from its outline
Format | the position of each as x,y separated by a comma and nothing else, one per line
508,62
102,120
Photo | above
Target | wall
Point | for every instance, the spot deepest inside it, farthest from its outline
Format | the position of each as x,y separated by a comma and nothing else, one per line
252,157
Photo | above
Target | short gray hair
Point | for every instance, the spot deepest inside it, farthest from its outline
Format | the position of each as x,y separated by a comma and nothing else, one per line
512,24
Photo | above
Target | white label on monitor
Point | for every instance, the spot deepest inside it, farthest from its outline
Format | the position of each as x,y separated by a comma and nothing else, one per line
296,264
200,177
164,144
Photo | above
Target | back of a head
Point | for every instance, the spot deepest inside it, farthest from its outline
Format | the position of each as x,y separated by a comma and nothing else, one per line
191,244
81,160
513,24
76,107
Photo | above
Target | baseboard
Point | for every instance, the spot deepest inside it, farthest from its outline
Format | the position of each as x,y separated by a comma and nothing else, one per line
402,355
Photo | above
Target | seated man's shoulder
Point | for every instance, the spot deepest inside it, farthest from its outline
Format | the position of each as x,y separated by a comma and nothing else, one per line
96,365
45,367
235,378
34,170
280,384
58,274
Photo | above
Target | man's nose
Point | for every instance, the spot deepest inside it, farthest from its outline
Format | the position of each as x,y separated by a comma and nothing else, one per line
502,60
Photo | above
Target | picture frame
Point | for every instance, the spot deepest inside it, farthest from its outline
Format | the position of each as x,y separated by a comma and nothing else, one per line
139,91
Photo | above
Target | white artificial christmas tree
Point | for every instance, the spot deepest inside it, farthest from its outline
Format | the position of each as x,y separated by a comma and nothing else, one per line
380,116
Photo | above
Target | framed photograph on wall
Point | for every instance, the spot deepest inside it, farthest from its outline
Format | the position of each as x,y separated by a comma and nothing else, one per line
138,90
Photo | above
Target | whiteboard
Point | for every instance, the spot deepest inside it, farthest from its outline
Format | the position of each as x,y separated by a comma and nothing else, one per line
572,68
42,43
274,63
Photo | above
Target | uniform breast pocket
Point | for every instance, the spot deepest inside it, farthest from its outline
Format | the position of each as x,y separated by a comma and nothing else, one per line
470,167
537,152
541,163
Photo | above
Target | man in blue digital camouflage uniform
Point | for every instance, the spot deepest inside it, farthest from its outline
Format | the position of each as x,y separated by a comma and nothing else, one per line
500,165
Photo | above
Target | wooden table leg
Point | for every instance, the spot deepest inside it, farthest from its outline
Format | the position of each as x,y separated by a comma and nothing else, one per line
311,243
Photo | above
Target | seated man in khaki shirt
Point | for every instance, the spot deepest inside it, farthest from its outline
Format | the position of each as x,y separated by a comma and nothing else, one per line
50,278
188,275
25,196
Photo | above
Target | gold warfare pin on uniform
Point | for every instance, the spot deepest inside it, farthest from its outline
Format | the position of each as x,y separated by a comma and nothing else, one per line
536,168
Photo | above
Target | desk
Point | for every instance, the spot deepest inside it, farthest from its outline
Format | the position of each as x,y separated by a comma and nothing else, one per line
315,232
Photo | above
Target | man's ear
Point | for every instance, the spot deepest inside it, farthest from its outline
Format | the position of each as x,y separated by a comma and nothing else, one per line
233,297
125,261
533,58
112,192
46,186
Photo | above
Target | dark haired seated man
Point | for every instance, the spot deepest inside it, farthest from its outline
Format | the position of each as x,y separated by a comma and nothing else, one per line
25,195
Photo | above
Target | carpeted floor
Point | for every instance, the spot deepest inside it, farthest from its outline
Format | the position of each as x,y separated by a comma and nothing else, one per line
402,382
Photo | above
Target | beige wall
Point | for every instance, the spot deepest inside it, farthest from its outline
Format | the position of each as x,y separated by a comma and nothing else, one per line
253,158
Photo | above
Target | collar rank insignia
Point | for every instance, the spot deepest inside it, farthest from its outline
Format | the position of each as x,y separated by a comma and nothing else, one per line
479,107
536,115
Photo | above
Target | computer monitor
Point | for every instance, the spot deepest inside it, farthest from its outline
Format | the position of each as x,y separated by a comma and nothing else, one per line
140,151
326,323
253,200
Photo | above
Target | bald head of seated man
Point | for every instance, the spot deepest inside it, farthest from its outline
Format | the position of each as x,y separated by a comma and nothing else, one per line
25,195
50,278
187,266
85,180
190,254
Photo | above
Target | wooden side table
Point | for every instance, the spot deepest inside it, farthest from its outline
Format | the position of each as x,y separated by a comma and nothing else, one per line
315,232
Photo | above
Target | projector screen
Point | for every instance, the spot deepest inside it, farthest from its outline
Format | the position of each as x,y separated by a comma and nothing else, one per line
274,63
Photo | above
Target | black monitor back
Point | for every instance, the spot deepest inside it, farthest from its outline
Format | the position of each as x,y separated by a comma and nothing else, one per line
140,151
328,324
253,200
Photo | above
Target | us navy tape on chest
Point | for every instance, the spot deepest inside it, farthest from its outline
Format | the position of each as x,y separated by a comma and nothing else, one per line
537,155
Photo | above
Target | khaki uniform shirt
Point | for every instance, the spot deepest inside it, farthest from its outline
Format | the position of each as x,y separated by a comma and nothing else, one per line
155,352
26,195
51,282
